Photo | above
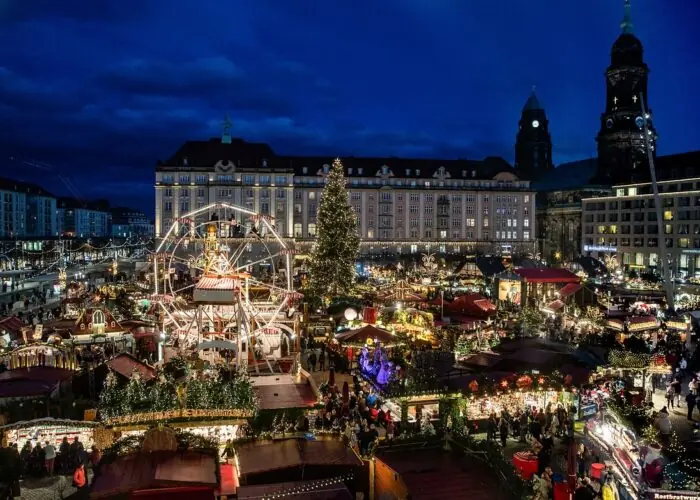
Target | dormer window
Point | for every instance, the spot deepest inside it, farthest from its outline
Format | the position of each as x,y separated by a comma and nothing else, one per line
349,170
359,170
385,170
408,172
185,162
264,163
98,322
326,168
304,170
464,173
417,173
473,173
98,318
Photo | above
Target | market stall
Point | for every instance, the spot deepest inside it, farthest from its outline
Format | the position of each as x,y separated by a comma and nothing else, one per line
49,429
40,354
637,466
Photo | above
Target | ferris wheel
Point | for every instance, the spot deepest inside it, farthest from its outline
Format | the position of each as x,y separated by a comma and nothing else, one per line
223,281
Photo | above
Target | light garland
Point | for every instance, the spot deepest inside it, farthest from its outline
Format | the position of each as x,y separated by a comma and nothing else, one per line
629,360
315,486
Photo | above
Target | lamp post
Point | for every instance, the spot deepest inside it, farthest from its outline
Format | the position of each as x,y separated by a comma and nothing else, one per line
668,284
442,305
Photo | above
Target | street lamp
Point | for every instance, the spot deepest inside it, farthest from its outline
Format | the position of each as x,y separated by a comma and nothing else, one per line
442,304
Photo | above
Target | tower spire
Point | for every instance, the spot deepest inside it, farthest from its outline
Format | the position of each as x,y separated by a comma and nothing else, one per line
627,20
226,135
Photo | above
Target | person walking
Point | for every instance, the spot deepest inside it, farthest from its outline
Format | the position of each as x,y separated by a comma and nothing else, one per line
49,457
669,396
690,401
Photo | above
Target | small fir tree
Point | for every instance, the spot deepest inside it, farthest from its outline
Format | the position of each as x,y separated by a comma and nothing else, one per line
332,266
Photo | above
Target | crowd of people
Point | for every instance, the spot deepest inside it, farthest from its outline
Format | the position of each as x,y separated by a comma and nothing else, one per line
44,459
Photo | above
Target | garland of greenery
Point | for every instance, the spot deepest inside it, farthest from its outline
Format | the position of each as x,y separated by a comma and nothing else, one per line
163,395
627,360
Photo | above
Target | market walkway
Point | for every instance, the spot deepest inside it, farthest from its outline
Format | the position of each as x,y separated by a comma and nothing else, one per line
678,415
49,488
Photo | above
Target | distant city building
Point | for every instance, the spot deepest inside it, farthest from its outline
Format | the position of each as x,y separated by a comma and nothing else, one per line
129,222
625,223
403,205
26,210
78,219
533,144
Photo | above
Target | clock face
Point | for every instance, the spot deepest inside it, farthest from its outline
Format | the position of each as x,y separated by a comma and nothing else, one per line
535,123
639,121
609,123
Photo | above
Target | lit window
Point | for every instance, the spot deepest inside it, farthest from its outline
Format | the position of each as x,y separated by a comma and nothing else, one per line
668,215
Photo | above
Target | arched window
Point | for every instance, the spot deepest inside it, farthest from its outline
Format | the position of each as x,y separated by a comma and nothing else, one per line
98,318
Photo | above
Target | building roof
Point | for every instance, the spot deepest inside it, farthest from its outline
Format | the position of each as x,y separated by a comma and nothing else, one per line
532,104
83,325
363,334
142,471
125,365
435,473
7,184
256,458
277,392
319,489
548,275
243,155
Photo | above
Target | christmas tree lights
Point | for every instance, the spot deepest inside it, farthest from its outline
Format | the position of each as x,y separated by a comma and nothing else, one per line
332,265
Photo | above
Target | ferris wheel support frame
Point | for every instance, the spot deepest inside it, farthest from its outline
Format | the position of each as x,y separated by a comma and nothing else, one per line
249,324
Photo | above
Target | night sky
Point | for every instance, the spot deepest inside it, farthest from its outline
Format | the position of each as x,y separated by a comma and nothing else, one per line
102,89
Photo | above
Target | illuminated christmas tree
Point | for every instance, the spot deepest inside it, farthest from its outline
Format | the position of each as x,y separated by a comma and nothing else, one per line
332,266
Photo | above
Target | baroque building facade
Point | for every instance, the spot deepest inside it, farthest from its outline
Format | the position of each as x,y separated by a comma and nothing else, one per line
403,205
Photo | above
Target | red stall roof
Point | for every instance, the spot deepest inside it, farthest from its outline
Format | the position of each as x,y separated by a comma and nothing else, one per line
569,290
547,275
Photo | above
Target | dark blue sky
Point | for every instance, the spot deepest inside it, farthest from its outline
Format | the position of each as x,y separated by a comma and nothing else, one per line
101,89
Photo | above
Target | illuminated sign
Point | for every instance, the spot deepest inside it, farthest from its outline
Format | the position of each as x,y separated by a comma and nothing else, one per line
510,291
599,248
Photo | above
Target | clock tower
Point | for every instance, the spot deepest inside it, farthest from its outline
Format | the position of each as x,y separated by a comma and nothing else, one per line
533,144
622,155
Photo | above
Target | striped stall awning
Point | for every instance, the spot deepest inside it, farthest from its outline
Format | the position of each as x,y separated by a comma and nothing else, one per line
208,283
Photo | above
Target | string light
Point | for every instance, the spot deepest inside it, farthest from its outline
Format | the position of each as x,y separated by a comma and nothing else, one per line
308,488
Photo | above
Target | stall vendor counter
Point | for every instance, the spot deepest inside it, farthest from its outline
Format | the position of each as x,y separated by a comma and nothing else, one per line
525,463
622,451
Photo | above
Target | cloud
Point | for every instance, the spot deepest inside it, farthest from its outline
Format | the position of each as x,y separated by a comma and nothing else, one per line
143,76
78,10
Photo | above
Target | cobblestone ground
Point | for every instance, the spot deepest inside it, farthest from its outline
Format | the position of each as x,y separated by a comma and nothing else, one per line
679,415
49,488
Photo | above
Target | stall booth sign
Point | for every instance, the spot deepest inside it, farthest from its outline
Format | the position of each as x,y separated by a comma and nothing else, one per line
588,410
672,495
510,291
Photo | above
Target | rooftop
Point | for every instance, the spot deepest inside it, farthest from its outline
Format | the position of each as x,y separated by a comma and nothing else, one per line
23,187
243,155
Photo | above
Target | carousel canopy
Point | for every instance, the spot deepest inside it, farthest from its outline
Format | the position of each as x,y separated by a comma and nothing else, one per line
365,333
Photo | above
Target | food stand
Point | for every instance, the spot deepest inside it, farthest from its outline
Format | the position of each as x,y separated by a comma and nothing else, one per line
49,429
627,455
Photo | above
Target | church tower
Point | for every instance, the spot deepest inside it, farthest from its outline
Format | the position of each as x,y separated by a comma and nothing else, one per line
533,144
622,155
